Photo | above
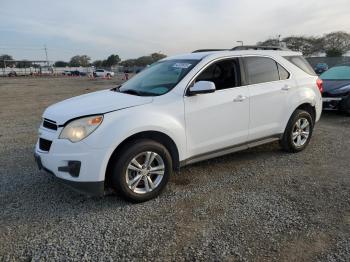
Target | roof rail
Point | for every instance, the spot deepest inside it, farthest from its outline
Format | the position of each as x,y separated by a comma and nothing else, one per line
208,50
259,47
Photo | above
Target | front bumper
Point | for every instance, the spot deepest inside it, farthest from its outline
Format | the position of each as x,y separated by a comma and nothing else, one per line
77,165
87,188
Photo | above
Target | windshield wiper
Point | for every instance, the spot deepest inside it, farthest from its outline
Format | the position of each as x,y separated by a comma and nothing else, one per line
116,89
131,92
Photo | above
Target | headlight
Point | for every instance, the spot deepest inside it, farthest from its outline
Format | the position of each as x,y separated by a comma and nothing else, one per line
80,128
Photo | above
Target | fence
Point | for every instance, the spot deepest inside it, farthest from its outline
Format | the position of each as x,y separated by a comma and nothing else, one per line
43,70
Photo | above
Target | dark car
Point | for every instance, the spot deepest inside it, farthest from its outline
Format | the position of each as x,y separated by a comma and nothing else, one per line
74,73
12,73
320,68
78,73
336,88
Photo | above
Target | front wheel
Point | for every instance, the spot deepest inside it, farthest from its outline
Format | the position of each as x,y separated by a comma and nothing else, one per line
141,170
298,132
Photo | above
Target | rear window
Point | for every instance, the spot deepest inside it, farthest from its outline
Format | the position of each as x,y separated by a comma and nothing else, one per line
301,62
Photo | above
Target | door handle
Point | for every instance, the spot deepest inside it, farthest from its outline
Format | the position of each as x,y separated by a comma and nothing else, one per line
285,88
239,98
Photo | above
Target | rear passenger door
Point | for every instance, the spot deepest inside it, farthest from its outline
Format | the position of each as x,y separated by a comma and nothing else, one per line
269,85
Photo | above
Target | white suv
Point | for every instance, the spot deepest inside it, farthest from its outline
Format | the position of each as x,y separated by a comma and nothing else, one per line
180,110
103,73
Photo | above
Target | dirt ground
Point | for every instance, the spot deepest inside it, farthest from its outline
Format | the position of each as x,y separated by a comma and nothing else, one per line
257,205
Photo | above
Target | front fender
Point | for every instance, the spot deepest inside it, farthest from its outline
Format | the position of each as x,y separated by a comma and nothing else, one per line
120,125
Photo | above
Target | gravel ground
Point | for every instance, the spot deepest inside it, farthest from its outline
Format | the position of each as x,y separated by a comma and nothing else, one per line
260,204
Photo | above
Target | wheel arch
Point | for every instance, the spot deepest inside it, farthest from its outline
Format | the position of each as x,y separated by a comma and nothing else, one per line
157,136
308,107
305,105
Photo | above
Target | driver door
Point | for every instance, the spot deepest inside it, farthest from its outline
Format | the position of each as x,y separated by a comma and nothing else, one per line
219,120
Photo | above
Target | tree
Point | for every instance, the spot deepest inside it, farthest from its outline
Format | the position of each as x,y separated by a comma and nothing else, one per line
112,60
79,60
157,56
60,64
270,42
336,43
7,63
334,52
97,63
128,62
143,60
307,45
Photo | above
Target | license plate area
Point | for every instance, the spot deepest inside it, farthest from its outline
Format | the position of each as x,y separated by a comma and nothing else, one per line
331,99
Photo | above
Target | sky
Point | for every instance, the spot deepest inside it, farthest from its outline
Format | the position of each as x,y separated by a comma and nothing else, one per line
134,28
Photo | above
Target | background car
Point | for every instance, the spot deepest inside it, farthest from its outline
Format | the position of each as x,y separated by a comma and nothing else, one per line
74,73
336,88
320,68
103,73
67,73
12,73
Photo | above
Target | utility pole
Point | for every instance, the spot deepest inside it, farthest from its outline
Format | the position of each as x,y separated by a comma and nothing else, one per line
4,67
240,42
279,40
47,59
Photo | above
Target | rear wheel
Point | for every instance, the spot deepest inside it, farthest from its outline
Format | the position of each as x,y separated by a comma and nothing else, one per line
141,170
298,132
345,106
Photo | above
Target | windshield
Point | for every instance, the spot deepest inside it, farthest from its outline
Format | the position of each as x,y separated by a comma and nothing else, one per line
159,78
337,73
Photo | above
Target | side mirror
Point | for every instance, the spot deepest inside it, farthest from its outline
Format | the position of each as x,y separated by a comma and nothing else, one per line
201,87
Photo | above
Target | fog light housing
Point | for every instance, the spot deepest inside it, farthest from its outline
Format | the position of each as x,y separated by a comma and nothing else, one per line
73,168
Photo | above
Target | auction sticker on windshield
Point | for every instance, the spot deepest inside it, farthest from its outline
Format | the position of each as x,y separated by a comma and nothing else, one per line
182,65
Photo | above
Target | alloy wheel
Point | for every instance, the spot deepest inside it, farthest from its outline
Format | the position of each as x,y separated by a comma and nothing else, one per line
301,132
145,172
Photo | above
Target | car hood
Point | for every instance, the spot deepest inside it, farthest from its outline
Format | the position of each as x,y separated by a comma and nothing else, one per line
93,103
336,87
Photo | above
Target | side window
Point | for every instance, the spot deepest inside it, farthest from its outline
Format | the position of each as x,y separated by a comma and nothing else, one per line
284,74
261,70
225,74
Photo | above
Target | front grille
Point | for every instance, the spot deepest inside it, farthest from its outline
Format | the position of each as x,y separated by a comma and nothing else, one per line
44,144
47,123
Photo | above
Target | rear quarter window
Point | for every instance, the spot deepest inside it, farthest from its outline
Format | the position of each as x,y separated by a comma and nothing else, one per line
301,62
284,74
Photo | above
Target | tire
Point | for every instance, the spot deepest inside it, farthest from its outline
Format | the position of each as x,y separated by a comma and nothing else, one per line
132,181
345,106
294,138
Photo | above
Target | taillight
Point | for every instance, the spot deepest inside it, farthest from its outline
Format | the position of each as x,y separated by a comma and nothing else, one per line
319,84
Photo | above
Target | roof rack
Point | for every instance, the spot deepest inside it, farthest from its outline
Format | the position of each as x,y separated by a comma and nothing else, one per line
258,47
245,47
208,50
